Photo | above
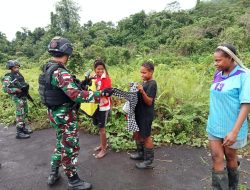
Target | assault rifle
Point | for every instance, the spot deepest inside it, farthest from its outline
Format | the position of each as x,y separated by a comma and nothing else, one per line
24,90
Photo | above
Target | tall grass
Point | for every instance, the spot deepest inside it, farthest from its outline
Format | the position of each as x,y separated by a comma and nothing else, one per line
181,103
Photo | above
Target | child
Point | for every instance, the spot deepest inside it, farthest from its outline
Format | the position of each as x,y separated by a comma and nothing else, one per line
227,125
13,83
144,115
101,115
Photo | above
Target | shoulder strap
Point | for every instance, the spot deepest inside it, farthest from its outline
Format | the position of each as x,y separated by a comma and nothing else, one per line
48,69
7,74
11,76
2,78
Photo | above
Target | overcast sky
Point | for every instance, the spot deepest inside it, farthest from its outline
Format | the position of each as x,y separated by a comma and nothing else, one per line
30,14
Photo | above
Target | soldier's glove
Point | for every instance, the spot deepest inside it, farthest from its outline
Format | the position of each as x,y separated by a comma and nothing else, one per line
107,92
86,82
76,80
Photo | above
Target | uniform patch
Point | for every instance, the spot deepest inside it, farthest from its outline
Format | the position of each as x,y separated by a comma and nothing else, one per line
53,44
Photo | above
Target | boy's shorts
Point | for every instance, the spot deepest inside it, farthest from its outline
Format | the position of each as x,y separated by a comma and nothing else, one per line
100,118
237,145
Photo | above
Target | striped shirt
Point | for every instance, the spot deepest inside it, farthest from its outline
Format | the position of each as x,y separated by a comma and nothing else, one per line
227,93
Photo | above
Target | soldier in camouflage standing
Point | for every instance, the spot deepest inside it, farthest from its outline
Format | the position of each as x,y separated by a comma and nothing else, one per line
14,84
62,95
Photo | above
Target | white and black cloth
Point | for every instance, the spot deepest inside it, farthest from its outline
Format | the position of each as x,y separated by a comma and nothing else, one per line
132,99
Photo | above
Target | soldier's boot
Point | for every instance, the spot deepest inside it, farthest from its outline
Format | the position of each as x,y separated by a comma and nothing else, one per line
220,180
75,183
20,134
233,177
148,159
139,154
27,129
54,175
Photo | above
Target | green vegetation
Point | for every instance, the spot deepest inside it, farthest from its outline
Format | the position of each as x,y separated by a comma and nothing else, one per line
179,43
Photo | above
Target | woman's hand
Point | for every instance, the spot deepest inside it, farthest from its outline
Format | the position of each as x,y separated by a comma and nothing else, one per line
230,139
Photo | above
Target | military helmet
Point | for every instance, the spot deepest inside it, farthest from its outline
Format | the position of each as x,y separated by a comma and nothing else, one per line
11,64
59,46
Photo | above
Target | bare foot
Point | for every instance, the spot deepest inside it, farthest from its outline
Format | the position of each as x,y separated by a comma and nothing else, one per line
98,148
101,154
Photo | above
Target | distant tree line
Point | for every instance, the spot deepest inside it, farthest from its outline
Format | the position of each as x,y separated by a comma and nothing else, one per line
184,33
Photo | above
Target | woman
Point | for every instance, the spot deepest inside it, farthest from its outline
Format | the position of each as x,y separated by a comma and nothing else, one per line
227,125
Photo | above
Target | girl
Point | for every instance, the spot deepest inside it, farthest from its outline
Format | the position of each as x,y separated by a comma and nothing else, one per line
100,116
227,122
144,114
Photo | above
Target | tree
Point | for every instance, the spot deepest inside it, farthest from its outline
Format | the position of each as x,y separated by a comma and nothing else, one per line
234,35
4,48
3,43
66,17
198,2
173,6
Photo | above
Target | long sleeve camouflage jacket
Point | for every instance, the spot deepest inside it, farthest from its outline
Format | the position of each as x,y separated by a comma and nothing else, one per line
62,79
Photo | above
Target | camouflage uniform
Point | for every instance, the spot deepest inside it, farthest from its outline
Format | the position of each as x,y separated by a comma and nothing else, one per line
64,119
11,88
62,94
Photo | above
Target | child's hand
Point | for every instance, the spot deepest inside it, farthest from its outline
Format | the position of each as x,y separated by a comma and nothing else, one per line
140,88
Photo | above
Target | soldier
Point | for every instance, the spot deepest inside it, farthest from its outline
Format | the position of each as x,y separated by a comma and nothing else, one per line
62,95
14,84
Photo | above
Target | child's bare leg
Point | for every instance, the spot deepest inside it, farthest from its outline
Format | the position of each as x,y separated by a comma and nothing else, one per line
138,155
103,140
137,137
148,142
148,154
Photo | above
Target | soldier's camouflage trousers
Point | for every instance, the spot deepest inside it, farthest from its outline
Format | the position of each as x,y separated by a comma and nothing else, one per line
64,121
21,111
